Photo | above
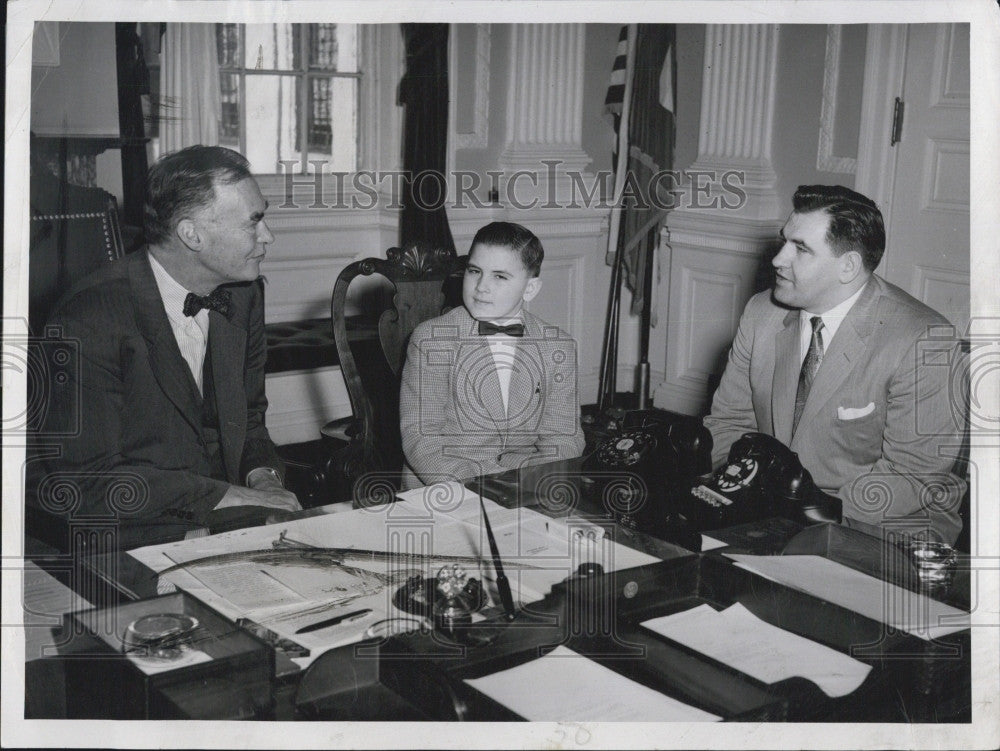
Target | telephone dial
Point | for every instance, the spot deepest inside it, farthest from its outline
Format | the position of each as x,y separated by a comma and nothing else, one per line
659,448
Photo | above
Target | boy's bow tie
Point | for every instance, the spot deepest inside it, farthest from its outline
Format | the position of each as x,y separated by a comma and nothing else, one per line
486,328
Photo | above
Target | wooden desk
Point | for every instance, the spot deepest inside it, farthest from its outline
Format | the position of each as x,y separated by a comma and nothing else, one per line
913,680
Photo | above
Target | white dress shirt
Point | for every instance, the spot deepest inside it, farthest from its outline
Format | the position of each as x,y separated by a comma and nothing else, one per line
504,349
191,332
831,322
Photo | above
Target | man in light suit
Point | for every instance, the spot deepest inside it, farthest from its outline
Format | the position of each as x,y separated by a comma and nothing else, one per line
850,372
488,386
169,405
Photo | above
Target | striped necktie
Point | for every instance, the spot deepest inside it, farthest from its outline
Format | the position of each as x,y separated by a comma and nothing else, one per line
809,367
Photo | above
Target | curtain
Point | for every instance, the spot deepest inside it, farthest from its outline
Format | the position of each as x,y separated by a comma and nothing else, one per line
189,87
424,93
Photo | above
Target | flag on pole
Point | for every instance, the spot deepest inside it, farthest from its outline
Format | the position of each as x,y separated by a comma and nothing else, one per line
645,131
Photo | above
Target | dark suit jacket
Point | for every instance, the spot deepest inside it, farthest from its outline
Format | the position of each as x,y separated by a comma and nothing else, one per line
132,442
452,415
881,427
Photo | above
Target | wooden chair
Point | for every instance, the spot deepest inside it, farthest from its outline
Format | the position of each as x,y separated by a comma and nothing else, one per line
419,282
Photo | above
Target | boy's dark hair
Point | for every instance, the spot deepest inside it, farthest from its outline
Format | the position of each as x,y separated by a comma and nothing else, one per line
855,221
519,239
184,181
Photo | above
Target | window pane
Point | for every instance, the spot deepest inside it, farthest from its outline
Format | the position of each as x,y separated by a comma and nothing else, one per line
333,114
272,125
270,46
227,42
333,47
323,46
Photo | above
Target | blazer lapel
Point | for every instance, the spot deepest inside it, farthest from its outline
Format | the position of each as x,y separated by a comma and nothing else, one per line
786,377
522,387
165,361
843,351
227,347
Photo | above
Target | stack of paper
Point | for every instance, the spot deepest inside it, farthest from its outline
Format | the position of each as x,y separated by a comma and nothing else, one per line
567,687
738,638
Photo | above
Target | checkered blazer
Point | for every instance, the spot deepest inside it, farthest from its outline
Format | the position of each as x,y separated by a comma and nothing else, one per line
452,417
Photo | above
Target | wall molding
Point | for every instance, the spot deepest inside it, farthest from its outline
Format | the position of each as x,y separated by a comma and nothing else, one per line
301,402
933,198
825,158
944,56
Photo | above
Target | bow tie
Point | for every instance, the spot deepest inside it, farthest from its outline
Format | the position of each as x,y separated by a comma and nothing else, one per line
220,300
486,328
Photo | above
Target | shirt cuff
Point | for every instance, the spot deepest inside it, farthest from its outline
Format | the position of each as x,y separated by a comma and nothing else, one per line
258,473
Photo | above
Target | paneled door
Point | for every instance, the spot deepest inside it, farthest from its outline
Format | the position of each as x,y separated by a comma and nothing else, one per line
927,200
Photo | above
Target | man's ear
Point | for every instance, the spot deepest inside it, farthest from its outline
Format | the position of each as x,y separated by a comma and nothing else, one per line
851,266
187,233
531,289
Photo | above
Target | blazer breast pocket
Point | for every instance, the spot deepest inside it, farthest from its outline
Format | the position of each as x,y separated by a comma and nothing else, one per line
855,413
858,432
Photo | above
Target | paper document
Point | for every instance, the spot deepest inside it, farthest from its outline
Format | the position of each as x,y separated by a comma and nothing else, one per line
568,687
738,638
873,598
710,543
359,559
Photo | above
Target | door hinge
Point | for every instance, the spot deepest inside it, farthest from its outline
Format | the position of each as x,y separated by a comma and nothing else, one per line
897,122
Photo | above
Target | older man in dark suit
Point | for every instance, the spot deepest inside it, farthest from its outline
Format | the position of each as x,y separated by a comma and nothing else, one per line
171,350
850,371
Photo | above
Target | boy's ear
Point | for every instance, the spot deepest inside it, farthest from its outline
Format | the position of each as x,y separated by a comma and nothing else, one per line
531,288
188,234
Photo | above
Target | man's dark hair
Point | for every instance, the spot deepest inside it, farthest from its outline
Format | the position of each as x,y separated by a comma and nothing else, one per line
855,221
184,181
519,239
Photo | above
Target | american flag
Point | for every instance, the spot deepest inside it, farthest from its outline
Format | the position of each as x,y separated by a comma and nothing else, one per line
649,141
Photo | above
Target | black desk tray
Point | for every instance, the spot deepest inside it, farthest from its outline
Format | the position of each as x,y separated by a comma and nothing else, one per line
421,675
234,680
911,680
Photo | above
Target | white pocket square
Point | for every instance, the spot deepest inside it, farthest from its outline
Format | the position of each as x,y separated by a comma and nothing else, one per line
853,413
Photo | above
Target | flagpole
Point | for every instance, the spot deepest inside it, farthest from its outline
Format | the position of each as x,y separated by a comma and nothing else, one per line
609,355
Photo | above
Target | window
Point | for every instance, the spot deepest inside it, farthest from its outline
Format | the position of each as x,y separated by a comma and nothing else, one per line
294,88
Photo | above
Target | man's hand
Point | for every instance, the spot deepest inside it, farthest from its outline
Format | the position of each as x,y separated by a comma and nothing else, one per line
275,497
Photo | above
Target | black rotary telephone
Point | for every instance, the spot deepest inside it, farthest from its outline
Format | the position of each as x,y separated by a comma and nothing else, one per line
760,471
762,478
635,473
655,449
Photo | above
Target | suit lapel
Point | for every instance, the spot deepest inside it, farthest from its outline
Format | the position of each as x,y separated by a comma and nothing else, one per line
843,351
524,383
227,348
165,361
786,377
